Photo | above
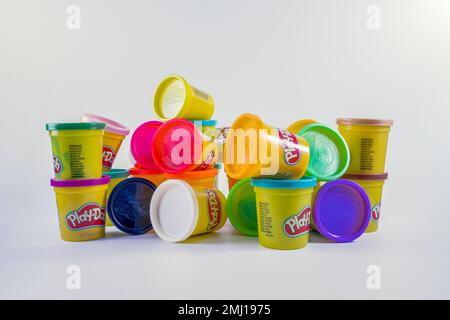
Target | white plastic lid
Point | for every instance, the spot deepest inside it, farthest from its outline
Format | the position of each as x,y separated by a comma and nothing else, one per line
174,211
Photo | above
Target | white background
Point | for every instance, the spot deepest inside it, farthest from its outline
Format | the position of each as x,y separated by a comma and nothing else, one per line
283,60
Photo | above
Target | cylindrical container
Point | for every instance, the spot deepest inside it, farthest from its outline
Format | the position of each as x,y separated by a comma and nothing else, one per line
341,211
241,208
179,146
77,150
329,156
179,210
373,185
141,145
298,125
116,175
367,140
284,209
112,139
129,205
81,208
155,177
254,149
204,178
176,98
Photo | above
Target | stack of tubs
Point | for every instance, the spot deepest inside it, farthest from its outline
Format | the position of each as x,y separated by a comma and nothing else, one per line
367,140
79,186
340,210
304,189
178,155
271,198
83,155
283,182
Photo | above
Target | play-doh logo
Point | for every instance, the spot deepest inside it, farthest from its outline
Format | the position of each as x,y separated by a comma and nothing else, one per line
90,215
376,211
298,224
108,156
57,165
213,208
290,147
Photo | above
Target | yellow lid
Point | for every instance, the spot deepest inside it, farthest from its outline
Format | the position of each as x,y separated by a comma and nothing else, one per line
298,125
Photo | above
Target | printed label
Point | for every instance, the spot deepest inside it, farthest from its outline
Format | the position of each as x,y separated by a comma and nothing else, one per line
57,165
376,211
265,220
90,215
208,161
298,224
76,161
367,154
290,147
107,156
213,209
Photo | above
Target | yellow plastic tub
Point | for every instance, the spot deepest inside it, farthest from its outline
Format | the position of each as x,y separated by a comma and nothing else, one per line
176,98
81,208
373,185
367,140
77,150
284,212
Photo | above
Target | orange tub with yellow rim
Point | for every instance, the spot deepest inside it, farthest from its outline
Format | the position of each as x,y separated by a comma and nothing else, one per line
255,149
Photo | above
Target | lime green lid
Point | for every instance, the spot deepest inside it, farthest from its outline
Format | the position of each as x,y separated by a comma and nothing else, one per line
117,173
329,154
75,126
241,208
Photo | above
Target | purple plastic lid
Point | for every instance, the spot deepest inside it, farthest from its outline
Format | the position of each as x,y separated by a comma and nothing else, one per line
341,210
80,182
